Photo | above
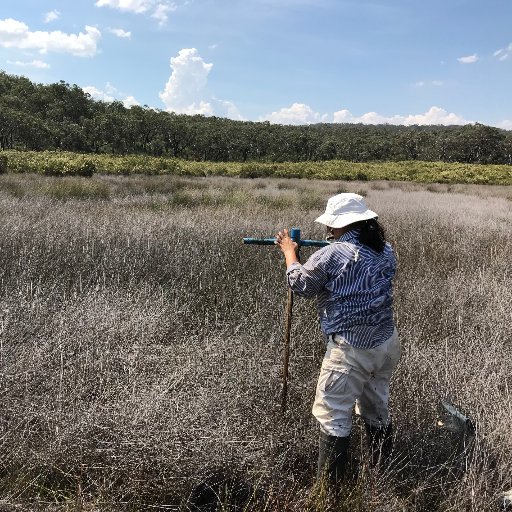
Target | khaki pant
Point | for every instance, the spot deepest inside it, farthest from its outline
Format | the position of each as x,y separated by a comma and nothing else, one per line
350,375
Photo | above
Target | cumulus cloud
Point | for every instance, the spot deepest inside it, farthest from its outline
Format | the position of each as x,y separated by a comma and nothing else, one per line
297,113
97,94
16,34
186,90
503,53
33,64
119,32
469,59
110,93
506,124
185,87
227,109
433,116
51,16
158,8
130,101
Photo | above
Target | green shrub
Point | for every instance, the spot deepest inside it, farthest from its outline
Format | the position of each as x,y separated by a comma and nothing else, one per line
72,164
68,166
85,167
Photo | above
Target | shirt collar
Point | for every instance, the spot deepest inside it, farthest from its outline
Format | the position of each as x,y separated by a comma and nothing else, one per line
352,235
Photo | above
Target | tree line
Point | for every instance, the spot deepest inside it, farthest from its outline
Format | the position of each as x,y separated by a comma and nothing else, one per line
61,116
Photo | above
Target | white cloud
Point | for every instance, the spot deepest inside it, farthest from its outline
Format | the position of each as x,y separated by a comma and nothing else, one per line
136,6
297,113
158,8
119,32
33,64
97,94
110,93
186,90
469,59
160,12
503,53
227,109
16,34
130,101
51,16
434,115
111,90
506,124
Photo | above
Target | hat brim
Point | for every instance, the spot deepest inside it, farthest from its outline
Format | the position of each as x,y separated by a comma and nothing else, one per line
340,221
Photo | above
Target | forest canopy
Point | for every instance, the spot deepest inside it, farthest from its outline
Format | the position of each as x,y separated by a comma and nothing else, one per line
61,116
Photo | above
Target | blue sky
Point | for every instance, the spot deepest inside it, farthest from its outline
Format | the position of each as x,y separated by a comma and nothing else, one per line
285,61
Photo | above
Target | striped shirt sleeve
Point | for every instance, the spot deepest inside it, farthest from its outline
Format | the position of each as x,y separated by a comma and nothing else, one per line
308,280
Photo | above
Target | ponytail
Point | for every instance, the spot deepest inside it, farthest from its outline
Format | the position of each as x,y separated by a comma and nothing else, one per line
371,234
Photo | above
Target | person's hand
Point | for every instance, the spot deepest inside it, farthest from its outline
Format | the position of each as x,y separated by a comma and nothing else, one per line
285,243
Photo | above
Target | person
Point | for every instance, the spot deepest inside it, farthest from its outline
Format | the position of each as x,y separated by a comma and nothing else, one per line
352,281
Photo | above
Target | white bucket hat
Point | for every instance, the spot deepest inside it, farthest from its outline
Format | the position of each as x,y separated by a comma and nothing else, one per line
345,209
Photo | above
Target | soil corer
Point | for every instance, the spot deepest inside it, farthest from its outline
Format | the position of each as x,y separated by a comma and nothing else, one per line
295,236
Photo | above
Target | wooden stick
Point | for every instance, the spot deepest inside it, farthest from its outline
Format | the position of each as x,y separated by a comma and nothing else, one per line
295,234
287,336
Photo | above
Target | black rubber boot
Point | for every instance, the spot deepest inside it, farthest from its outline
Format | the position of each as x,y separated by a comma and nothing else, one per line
332,458
380,443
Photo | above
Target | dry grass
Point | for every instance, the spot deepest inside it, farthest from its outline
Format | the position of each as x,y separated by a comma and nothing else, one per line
140,346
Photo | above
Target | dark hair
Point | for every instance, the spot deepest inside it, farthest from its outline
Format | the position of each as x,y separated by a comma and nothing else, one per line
371,233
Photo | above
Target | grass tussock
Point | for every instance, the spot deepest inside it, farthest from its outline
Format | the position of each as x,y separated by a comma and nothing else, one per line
77,188
141,346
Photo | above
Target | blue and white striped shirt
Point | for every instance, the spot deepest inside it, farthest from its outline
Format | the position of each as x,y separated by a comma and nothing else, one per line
353,286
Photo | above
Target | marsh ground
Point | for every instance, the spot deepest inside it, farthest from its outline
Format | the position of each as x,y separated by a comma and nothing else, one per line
141,345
